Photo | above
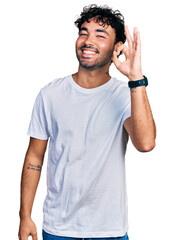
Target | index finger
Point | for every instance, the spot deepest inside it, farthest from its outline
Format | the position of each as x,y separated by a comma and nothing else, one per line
124,49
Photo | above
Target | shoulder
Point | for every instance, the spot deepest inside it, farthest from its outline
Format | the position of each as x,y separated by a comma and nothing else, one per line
54,86
120,83
121,87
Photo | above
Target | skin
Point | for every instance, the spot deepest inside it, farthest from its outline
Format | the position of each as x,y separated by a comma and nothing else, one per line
99,42
29,182
140,126
93,71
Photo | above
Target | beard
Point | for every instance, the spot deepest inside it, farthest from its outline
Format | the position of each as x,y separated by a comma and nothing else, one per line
103,59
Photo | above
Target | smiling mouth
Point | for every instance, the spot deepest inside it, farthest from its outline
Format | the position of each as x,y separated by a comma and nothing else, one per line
88,53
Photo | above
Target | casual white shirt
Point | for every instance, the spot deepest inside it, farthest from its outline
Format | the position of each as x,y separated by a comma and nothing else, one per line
86,184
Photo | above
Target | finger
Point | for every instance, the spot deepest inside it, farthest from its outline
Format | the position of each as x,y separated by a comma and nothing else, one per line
135,37
138,42
115,60
22,236
124,49
34,236
128,37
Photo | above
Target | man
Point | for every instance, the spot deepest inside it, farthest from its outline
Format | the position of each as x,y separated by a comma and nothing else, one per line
87,117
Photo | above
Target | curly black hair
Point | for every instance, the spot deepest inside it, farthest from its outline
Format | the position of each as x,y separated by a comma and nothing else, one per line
104,15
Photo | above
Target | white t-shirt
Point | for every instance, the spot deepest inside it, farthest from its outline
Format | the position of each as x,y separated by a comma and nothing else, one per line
86,183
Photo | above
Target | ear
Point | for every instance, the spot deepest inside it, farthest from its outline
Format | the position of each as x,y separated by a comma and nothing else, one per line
117,49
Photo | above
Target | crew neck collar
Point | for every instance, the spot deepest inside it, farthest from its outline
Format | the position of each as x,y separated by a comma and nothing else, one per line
91,90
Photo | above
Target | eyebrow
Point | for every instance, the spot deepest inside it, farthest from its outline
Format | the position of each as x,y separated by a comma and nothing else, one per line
83,29
101,30
97,30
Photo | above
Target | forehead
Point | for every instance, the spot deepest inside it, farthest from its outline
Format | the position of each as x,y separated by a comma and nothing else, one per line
92,25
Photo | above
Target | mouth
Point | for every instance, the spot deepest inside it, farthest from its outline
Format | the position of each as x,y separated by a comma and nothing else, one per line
88,53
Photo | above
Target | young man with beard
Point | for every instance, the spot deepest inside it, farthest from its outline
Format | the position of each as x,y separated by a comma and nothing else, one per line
88,117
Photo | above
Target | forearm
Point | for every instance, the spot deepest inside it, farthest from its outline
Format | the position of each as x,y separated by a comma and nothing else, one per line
143,130
29,182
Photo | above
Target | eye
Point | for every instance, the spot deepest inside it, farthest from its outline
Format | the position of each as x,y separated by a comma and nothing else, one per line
100,36
83,34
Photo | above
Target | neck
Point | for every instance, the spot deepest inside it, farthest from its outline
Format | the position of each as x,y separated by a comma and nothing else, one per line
91,79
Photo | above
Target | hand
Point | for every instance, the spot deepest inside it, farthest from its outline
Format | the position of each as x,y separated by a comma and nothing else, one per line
131,67
27,228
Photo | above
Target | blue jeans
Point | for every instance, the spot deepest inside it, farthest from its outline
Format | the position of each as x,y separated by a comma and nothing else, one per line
47,236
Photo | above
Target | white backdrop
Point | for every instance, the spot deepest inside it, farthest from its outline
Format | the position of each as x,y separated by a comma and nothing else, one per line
37,45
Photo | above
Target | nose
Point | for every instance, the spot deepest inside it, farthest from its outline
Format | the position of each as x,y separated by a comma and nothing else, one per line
89,40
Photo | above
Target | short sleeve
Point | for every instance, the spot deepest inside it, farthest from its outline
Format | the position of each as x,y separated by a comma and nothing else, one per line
127,105
126,112
38,127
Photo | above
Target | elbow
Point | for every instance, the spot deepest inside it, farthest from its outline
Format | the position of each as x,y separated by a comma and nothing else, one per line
146,147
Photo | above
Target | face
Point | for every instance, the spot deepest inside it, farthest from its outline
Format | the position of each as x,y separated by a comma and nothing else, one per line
95,45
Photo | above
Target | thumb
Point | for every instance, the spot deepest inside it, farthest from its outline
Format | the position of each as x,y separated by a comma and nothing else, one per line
34,236
115,59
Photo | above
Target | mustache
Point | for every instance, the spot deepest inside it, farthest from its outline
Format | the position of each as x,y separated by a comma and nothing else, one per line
89,47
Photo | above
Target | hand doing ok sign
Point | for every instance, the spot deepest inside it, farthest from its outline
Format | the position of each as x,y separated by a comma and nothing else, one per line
131,67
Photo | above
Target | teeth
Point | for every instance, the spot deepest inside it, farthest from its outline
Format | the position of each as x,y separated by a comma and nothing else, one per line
88,52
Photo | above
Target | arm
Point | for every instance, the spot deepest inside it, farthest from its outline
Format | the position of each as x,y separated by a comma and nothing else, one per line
140,126
29,182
